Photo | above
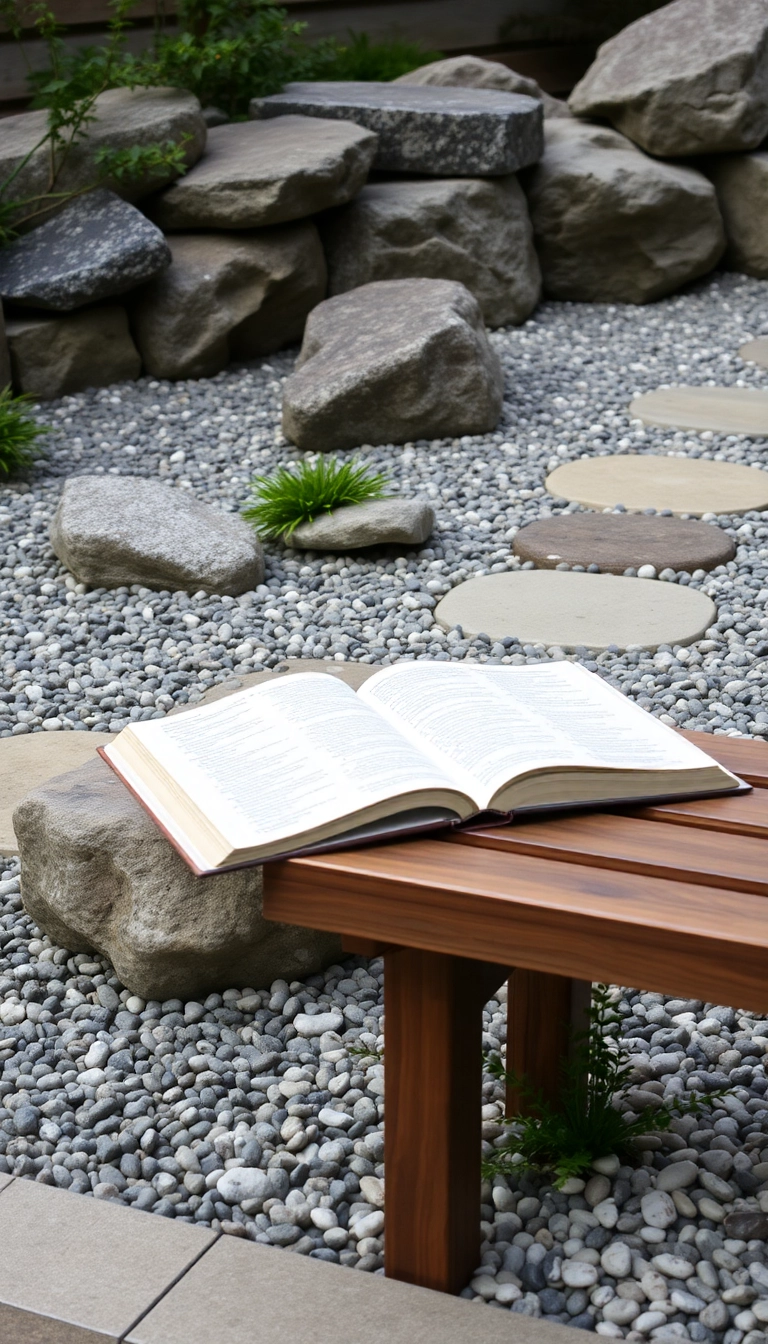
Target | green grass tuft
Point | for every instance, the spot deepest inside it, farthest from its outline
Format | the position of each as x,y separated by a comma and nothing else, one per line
18,435
281,502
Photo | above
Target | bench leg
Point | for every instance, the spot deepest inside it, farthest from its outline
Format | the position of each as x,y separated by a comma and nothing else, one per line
433,1069
541,1010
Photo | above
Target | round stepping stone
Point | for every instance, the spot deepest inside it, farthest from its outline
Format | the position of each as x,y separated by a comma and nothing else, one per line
756,352
644,481
541,606
618,541
724,410
32,759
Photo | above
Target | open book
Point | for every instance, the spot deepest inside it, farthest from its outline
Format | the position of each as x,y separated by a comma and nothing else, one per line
305,762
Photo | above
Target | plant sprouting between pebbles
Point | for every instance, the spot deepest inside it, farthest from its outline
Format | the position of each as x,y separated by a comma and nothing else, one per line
590,1118
281,502
18,435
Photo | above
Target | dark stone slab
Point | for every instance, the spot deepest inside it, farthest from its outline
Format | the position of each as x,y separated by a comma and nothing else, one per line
442,132
616,541
98,246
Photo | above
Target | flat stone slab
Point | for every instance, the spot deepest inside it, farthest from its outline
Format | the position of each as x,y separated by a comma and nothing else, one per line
756,352
33,759
645,481
538,606
619,541
98,246
425,128
724,410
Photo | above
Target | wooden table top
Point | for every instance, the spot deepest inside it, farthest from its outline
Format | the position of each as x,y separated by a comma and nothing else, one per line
669,897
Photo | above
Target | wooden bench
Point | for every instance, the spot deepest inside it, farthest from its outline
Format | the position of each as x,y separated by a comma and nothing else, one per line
668,898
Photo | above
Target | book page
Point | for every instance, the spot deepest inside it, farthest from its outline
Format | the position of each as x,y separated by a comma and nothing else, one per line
286,757
494,723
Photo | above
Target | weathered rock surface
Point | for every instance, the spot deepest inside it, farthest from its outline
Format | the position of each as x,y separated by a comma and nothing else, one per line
98,873
114,530
99,246
472,72
619,541
53,356
422,129
376,522
33,759
124,118
256,173
473,230
392,361
690,78
228,297
741,183
612,225
5,356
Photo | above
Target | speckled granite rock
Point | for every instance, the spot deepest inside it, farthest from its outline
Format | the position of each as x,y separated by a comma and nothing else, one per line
98,873
115,530
268,172
376,522
437,131
97,247
67,352
472,72
393,361
741,183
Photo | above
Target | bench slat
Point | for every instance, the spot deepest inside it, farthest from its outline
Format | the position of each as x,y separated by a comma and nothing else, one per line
744,814
744,756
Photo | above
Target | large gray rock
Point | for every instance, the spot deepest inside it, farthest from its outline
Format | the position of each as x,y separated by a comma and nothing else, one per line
393,361
422,129
376,522
741,183
227,296
474,230
612,225
98,873
116,530
97,247
690,78
256,173
123,119
472,72
53,356
5,355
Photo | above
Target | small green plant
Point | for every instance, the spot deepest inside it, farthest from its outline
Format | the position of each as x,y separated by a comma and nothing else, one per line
284,500
588,1121
18,435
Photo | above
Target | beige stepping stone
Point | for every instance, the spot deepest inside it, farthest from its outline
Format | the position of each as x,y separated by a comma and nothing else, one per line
544,606
756,352
644,481
32,759
618,541
724,410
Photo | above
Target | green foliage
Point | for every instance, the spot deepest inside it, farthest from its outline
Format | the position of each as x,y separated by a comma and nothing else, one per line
18,435
284,500
359,58
587,1121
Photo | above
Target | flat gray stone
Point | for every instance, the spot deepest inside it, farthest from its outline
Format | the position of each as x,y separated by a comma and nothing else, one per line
619,541
756,352
54,356
473,72
376,522
689,78
540,606
473,230
256,173
99,246
724,410
393,361
425,129
115,530
33,759
741,183
644,481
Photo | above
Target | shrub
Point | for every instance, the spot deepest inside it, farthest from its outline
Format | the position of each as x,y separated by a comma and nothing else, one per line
18,435
287,498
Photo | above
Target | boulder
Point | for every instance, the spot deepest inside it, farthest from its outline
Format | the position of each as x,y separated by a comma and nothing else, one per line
256,173
5,354
690,78
612,225
228,296
116,530
123,119
472,72
97,873
474,230
97,247
393,361
52,356
423,129
741,183
376,522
